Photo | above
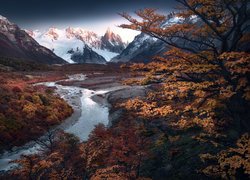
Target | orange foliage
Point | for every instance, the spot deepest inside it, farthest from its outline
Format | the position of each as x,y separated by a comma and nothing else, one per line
232,163
204,83
27,112
204,66
204,75
61,163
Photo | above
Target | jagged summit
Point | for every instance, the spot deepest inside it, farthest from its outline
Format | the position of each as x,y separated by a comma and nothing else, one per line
2,18
112,36
62,41
54,33
113,42
108,32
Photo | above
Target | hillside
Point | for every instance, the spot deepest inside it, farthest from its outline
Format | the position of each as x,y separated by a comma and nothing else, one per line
16,43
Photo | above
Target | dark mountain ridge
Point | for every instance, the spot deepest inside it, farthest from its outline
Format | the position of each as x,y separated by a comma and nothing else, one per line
16,43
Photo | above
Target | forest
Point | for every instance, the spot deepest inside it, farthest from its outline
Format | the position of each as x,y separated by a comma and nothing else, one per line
27,111
193,122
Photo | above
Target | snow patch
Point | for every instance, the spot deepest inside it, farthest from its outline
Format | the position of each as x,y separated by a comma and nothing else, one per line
3,18
105,53
61,46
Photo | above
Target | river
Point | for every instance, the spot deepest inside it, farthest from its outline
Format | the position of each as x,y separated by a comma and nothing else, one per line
87,114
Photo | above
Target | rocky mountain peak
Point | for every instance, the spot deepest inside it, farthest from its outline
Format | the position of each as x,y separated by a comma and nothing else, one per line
5,20
70,32
53,33
112,42
111,36
109,33
17,43
6,26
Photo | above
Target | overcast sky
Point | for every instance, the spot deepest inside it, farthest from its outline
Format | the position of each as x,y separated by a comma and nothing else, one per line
96,15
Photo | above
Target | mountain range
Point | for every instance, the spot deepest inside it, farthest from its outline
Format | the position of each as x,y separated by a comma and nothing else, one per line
77,45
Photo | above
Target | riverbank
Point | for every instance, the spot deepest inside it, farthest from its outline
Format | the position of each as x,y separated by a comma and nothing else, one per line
92,100
109,91
114,95
87,114
27,111
73,97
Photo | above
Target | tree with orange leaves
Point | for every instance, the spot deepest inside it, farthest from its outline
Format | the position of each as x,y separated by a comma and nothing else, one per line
218,26
205,77
208,61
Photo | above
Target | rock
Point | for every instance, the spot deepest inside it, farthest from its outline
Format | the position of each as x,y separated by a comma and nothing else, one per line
127,93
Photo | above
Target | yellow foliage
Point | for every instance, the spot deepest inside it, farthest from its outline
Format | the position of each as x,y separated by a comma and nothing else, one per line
30,110
229,161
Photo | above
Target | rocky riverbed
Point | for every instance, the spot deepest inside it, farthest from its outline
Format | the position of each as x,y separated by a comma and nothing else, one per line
91,98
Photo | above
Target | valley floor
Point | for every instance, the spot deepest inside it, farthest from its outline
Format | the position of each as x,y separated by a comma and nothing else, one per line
72,83
138,139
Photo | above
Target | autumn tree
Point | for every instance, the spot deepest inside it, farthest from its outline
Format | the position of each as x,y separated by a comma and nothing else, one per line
64,161
208,25
208,61
114,153
205,82
27,111
232,163
95,151
129,149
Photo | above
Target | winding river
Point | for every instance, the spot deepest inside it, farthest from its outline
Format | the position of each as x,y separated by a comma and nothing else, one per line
87,114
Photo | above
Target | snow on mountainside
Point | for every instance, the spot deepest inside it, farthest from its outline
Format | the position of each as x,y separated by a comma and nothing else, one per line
2,18
140,44
16,43
58,41
66,42
144,47
87,56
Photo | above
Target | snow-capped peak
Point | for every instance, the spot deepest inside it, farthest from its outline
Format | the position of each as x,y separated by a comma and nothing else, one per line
112,39
4,19
108,31
55,33
32,33
66,42
112,36
89,37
